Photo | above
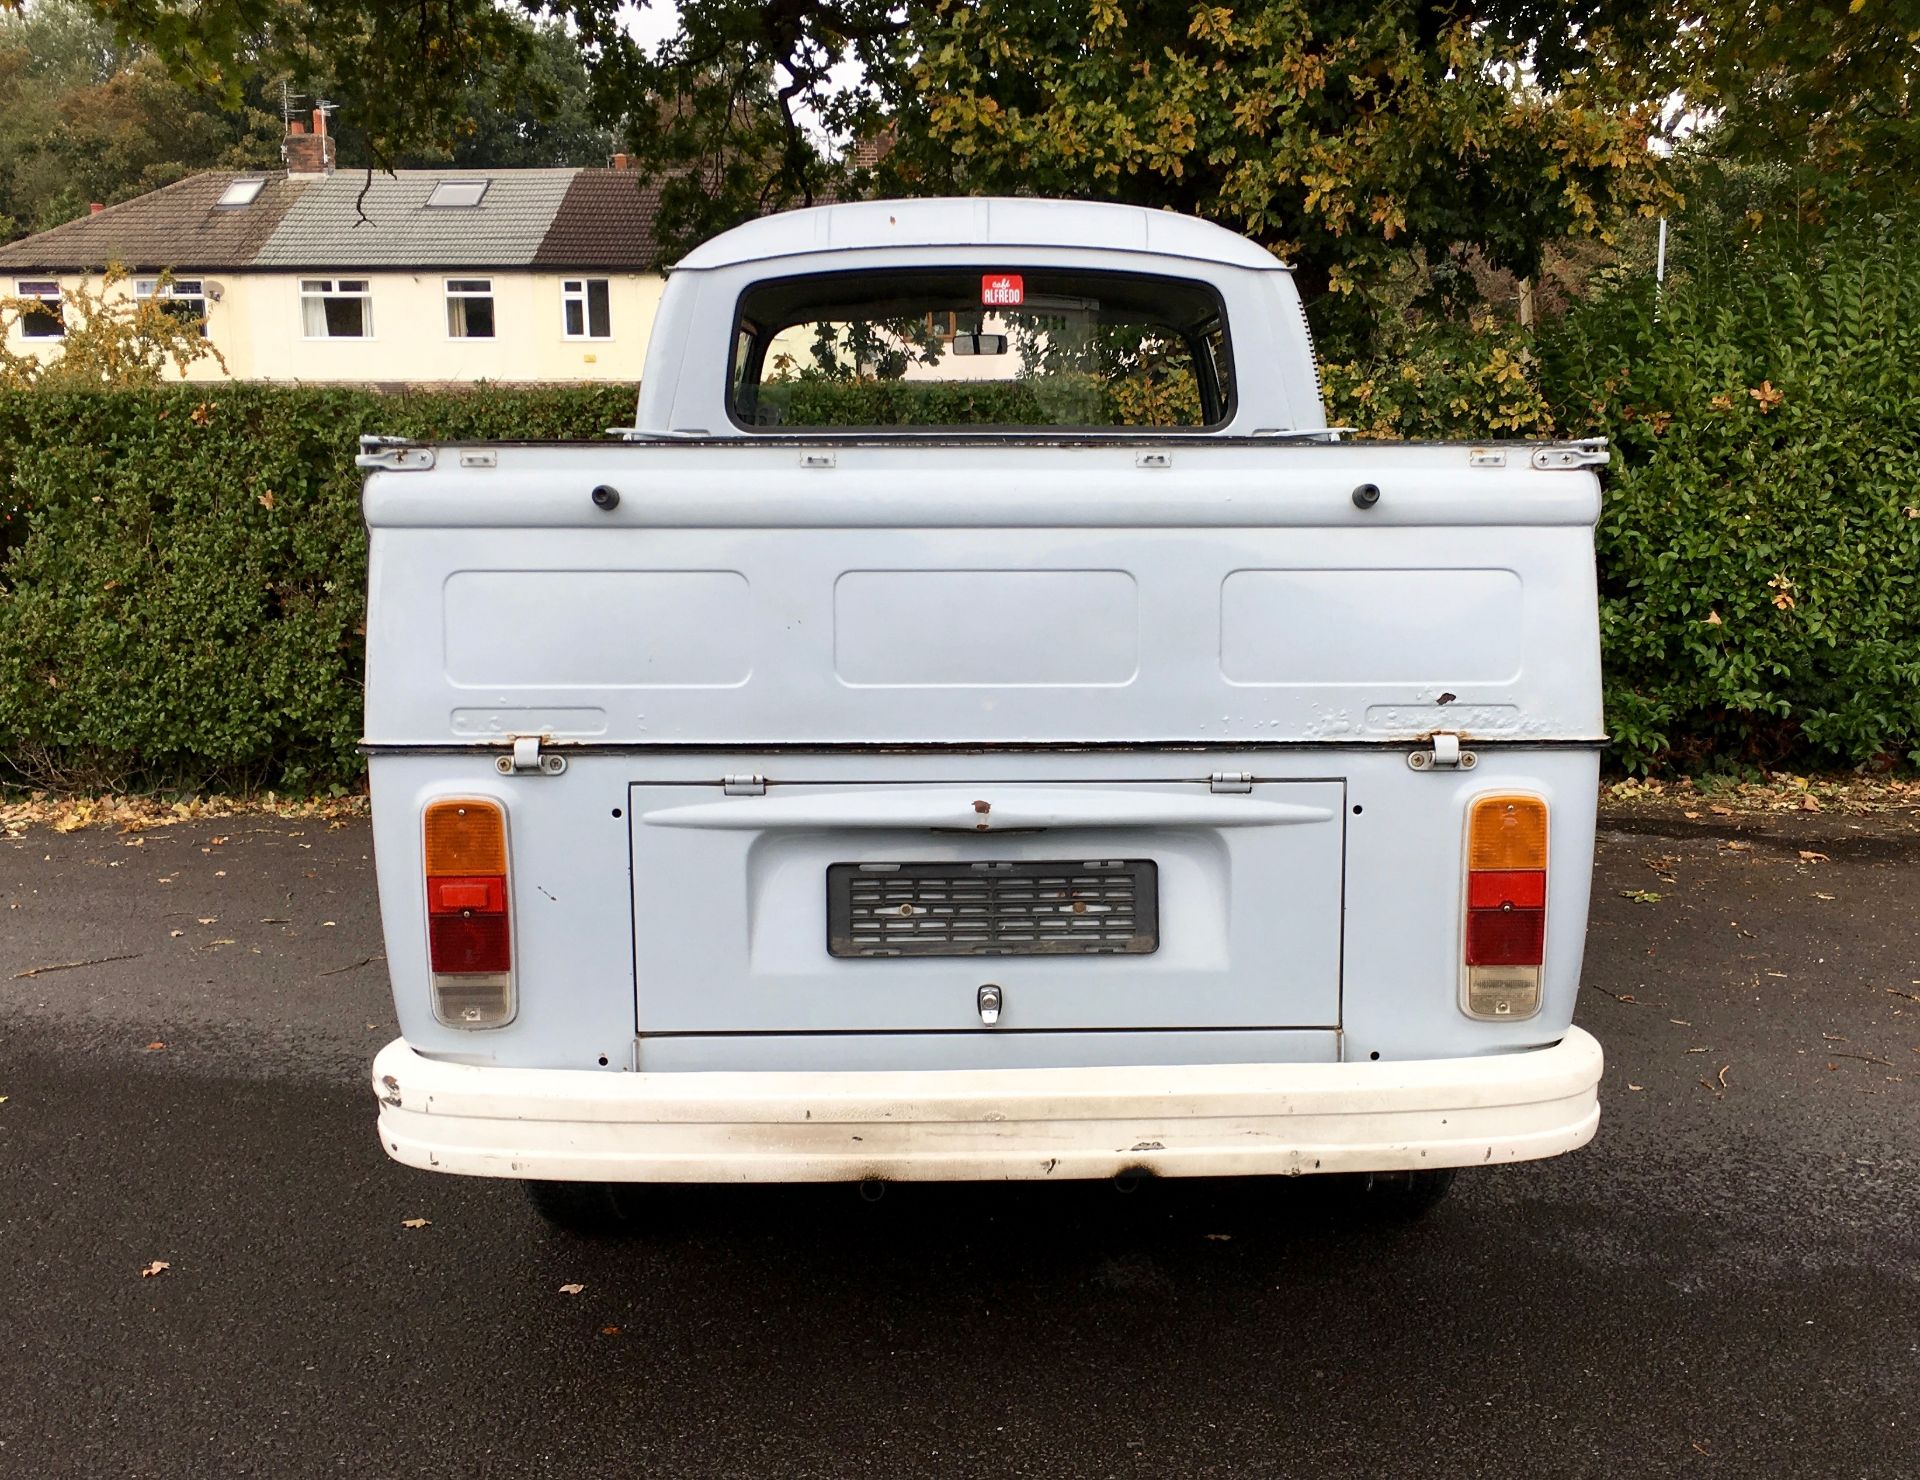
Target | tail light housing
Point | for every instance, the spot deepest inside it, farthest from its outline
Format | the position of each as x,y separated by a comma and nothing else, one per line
1503,943
469,916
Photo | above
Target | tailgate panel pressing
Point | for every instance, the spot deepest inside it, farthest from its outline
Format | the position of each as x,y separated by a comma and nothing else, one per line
1226,908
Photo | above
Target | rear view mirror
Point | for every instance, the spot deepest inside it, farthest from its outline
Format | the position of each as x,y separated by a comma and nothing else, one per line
979,344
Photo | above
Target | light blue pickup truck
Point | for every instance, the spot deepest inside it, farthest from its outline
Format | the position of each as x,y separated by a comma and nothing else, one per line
980,722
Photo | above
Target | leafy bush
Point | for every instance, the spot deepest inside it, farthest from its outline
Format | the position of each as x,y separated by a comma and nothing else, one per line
1056,399
186,603
1760,543
1434,379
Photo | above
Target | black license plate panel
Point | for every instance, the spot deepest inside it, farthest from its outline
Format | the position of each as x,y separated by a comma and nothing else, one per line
1097,907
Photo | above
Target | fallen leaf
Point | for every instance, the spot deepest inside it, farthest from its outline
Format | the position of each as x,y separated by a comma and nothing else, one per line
159,1266
176,934
1636,1086
156,1046
1680,1022
1713,619
206,919
609,1330
1720,811
1220,1238
1807,855
1738,846
416,1222
1818,895
266,499
571,1289
1699,1050
1640,896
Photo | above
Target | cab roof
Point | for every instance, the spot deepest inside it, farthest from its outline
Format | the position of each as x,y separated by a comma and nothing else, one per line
978,222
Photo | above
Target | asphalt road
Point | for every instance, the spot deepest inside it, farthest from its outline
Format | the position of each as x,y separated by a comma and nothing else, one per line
1727,1282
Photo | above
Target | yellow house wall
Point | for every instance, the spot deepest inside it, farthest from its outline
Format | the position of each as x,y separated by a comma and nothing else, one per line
258,327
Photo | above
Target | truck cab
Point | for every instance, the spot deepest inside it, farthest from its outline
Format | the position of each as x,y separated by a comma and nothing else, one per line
979,722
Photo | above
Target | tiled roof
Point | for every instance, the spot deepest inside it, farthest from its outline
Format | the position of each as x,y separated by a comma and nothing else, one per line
179,225
606,220
352,219
552,218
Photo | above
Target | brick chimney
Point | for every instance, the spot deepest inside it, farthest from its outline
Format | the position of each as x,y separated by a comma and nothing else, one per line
94,208
621,162
309,156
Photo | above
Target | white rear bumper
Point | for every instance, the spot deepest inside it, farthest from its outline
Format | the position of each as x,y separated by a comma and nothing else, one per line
986,1124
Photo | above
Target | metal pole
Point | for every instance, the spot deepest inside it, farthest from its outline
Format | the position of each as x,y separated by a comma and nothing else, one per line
1660,260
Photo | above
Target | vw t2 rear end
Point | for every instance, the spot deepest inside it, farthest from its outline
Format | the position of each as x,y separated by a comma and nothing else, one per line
759,801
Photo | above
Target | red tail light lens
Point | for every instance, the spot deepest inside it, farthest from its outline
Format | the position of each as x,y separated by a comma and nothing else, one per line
469,927
467,943
1505,935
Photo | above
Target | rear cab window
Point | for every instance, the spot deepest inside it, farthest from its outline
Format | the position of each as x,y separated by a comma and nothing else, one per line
1023,348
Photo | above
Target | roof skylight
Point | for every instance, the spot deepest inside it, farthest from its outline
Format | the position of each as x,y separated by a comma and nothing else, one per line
242,193
458,193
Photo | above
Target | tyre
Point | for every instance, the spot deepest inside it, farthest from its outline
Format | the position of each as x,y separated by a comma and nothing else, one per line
589,1209
1400,1197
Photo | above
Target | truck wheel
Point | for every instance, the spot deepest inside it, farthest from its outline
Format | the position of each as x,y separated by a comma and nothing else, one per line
1401,1197
590,1209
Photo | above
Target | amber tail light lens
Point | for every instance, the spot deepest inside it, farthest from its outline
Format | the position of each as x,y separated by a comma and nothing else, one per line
469,926
1505,936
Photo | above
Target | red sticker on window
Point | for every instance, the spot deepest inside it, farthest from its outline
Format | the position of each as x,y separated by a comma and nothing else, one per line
1003,290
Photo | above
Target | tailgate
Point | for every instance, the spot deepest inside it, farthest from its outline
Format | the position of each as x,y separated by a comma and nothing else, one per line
887,906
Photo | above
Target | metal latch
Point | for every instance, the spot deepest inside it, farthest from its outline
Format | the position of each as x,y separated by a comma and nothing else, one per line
989,1000
1230,781
744,786
392,455
527,757
1583,452
1446,755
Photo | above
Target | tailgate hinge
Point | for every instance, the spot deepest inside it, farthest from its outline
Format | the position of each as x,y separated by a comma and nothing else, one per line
526,757
1230,781
744,786
392,455
1445,755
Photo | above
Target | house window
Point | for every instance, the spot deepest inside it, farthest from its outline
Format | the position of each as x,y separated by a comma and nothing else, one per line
240,193
457,193
584,306
336,308
470,308
46,321
184,298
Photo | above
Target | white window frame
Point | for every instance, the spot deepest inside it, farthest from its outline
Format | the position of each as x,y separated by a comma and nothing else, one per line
580,290
451,195
181,290
241,193
319,290
47,291
462,290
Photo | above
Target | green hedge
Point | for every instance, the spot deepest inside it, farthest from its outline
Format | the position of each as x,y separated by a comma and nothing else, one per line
185,604
1760,543
182,571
